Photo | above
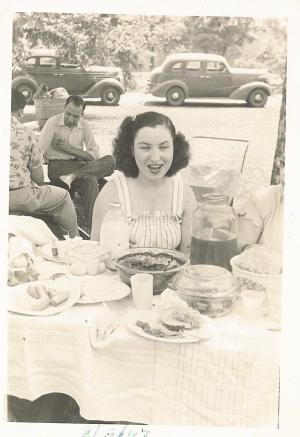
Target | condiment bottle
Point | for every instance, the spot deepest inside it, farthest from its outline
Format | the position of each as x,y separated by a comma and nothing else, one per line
214,234
114,231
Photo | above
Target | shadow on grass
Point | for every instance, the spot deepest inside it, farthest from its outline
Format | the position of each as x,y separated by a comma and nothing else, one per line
199,104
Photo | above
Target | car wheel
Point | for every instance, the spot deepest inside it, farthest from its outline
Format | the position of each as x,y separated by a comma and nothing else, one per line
27,91
175,96
257,98
110,96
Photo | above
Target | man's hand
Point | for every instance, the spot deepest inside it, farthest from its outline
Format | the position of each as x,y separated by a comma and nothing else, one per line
87,156
58,144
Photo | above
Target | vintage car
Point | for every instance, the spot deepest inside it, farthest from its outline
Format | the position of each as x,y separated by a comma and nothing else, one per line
94,82
202,75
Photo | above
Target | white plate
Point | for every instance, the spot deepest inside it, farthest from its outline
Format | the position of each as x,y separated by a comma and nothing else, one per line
102,288
20,302
189,336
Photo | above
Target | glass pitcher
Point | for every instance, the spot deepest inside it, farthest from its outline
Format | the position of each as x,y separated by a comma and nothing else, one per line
214,234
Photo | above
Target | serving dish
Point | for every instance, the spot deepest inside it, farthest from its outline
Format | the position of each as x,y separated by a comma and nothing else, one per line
163,264
210,289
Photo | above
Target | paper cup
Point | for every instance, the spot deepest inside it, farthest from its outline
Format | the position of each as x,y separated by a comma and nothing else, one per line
274,305
252,304
142,290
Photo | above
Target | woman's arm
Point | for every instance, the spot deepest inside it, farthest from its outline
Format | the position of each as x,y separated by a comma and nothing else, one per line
248,232
250,222
107,195
189,208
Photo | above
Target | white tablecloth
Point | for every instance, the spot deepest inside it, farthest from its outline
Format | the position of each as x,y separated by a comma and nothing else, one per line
231,379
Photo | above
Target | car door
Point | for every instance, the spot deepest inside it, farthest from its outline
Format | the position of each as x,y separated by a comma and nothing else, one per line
218,79
195,78
47,71
74,78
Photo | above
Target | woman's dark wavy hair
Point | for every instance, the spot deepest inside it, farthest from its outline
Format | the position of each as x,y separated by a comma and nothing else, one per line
123,143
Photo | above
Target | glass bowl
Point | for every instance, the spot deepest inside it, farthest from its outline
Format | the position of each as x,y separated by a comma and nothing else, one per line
211,289
163,264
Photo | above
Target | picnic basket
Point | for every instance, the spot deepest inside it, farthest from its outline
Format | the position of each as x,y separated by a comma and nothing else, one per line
46,108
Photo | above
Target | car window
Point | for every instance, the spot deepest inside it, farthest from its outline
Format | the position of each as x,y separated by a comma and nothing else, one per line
192,65
47,62
30,62
71,66
215,66
177,66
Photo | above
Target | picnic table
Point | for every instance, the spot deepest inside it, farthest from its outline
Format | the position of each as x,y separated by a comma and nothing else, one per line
230,379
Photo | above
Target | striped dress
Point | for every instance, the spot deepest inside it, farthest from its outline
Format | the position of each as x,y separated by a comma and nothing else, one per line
158,228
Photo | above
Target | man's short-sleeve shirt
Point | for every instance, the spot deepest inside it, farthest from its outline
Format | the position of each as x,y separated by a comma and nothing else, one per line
25,155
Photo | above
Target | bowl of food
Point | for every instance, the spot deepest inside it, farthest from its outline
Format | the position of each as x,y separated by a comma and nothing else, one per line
212,290
163,264
258,268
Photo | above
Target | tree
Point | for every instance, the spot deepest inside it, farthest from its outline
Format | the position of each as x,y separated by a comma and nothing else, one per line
217,34
280,147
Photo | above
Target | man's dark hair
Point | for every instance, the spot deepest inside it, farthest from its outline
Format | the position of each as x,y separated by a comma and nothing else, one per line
77,101
18,100
123,143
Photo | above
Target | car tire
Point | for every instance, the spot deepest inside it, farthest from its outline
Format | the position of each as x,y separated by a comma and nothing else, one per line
110,96
28,91
257,98
175,96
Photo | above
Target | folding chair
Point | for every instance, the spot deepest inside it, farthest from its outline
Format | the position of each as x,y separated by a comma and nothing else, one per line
219,153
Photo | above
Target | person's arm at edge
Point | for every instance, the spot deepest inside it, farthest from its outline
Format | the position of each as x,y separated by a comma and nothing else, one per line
189,208
108,194
250,226
37,175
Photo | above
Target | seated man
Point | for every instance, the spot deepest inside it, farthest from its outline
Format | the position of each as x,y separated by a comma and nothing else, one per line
62,141
27,194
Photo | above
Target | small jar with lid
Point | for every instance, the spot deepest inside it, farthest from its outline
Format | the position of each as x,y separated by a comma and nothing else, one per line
214,233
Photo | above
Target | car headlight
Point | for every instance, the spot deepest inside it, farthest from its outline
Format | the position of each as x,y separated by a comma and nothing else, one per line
264,78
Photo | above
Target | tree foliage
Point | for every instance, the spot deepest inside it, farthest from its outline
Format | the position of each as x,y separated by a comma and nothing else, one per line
132,42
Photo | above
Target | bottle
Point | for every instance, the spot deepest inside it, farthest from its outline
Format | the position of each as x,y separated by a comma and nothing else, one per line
214,234
114,231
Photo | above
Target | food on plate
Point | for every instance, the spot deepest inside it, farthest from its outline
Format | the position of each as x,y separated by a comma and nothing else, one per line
158,331
16,277
261,260
59,298
44,296
175,313
150,262
20,252
78,268
41,303
36,291
175,316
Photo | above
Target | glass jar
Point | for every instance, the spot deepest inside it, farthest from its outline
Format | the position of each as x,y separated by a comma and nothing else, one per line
214,233
114,231
212,290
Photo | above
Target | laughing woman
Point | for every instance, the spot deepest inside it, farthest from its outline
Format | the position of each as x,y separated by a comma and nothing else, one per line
158,205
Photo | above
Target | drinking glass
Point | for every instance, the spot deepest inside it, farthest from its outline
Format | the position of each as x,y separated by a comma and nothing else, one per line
142,290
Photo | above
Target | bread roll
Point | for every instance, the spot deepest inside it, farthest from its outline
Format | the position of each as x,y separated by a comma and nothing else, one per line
41,303
59,298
